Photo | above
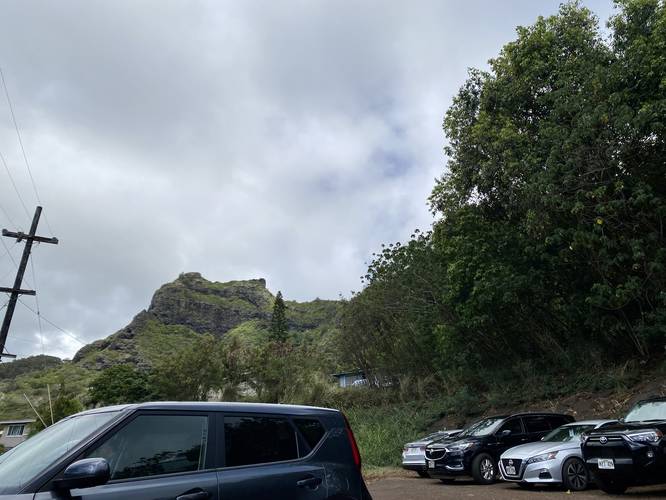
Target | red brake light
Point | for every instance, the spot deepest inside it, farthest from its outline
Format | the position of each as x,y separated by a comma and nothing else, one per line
352,442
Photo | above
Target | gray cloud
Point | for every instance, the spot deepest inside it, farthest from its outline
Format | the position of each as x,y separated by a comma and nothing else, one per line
240,139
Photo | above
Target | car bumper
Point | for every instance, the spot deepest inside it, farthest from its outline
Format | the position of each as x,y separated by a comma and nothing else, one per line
449,468
536,473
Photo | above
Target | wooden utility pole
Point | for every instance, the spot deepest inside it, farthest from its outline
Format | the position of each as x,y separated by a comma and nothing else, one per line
16,290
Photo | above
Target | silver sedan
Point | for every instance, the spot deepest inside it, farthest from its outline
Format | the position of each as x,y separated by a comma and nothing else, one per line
413,454
557,458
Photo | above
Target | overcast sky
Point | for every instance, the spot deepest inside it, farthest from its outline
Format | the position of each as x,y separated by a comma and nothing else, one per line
244,139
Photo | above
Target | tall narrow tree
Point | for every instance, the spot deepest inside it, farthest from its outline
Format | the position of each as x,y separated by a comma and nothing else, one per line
279,320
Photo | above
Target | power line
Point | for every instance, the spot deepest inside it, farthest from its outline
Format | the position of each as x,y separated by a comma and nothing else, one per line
11,178
20,140
69,334
39,316
11,222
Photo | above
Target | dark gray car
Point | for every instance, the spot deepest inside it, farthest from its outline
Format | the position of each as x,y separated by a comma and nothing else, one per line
189,451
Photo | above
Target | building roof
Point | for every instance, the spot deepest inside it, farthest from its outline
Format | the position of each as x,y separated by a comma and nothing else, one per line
17,421
342,374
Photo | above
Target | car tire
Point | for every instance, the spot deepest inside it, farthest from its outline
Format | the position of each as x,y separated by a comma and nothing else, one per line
447,480
610,485
422,473
574,474
484,469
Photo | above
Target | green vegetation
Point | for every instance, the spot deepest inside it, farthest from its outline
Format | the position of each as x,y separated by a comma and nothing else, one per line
548,252
279,320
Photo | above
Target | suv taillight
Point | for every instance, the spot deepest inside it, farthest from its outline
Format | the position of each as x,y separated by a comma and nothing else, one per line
352,442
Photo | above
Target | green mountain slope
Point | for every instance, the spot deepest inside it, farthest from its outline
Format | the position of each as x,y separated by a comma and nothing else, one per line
179,312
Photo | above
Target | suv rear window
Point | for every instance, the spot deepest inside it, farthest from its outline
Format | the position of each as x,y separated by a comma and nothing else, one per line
311,429
537,424
258,440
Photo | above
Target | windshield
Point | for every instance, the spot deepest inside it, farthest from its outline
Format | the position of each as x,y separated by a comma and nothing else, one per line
567,433
21,464
483,427
647,410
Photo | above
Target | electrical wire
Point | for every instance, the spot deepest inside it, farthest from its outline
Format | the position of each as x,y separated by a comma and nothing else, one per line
69,334
11,179
20,141
11,222
39,315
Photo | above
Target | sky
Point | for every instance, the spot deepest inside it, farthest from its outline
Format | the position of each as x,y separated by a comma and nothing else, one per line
240,139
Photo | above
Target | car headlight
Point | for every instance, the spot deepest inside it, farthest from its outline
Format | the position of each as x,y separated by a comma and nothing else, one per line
543,457
458,447
645,436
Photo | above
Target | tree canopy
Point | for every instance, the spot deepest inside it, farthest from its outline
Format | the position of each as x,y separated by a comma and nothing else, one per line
549,241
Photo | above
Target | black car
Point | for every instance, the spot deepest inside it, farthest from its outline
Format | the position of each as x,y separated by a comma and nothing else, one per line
189,451
475,451
632,452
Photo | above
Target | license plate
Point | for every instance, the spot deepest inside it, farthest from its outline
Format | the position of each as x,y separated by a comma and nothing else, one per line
606,463
510,470
431,464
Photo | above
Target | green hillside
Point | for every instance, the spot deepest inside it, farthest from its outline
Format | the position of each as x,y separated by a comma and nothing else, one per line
180,313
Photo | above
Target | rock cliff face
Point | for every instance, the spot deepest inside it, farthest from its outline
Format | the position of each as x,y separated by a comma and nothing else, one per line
192,305
208,307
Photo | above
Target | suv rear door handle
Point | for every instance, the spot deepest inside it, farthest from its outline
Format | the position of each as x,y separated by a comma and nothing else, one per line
309,482
195,494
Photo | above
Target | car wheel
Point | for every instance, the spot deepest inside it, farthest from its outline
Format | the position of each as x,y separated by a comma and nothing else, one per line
610,485
574,475
422,473
447,480
484,469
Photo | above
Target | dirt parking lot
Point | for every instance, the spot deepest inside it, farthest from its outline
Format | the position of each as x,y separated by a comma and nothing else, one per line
402,488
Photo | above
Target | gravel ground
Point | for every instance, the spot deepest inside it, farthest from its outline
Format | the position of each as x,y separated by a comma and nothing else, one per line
401,488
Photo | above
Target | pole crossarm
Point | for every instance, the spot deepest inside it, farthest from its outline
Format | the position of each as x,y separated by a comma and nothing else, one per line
22,236
16,290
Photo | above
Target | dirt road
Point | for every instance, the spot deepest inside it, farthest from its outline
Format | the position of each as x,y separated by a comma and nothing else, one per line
402,488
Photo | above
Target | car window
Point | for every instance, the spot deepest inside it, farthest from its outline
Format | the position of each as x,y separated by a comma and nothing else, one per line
151,445
537,424
514,425
311,429
258,440
558,420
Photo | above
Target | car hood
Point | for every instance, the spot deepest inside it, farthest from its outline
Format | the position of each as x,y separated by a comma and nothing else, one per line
529,450
624,427
439,445
426,442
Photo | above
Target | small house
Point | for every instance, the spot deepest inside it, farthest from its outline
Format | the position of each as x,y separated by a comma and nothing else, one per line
349,379
14,432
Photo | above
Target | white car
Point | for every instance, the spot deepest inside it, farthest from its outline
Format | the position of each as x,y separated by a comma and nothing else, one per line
556,459
413,454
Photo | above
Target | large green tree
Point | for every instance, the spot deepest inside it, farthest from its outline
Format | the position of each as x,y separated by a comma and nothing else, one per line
120,384
549,243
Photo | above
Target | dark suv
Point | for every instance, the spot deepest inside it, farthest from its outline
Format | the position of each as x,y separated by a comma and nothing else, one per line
189,451
632,452
475,451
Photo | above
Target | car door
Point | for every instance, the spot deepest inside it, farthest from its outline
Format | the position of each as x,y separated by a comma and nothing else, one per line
155,455
265,458
511,433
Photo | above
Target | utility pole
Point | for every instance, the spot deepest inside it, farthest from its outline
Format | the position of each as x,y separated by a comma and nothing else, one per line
16,290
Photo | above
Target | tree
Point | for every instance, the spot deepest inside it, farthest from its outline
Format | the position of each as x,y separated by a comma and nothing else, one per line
64,404
120,384
279,327
191,374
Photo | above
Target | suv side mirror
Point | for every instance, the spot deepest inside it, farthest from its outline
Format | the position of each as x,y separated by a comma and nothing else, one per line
505,433
84,474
